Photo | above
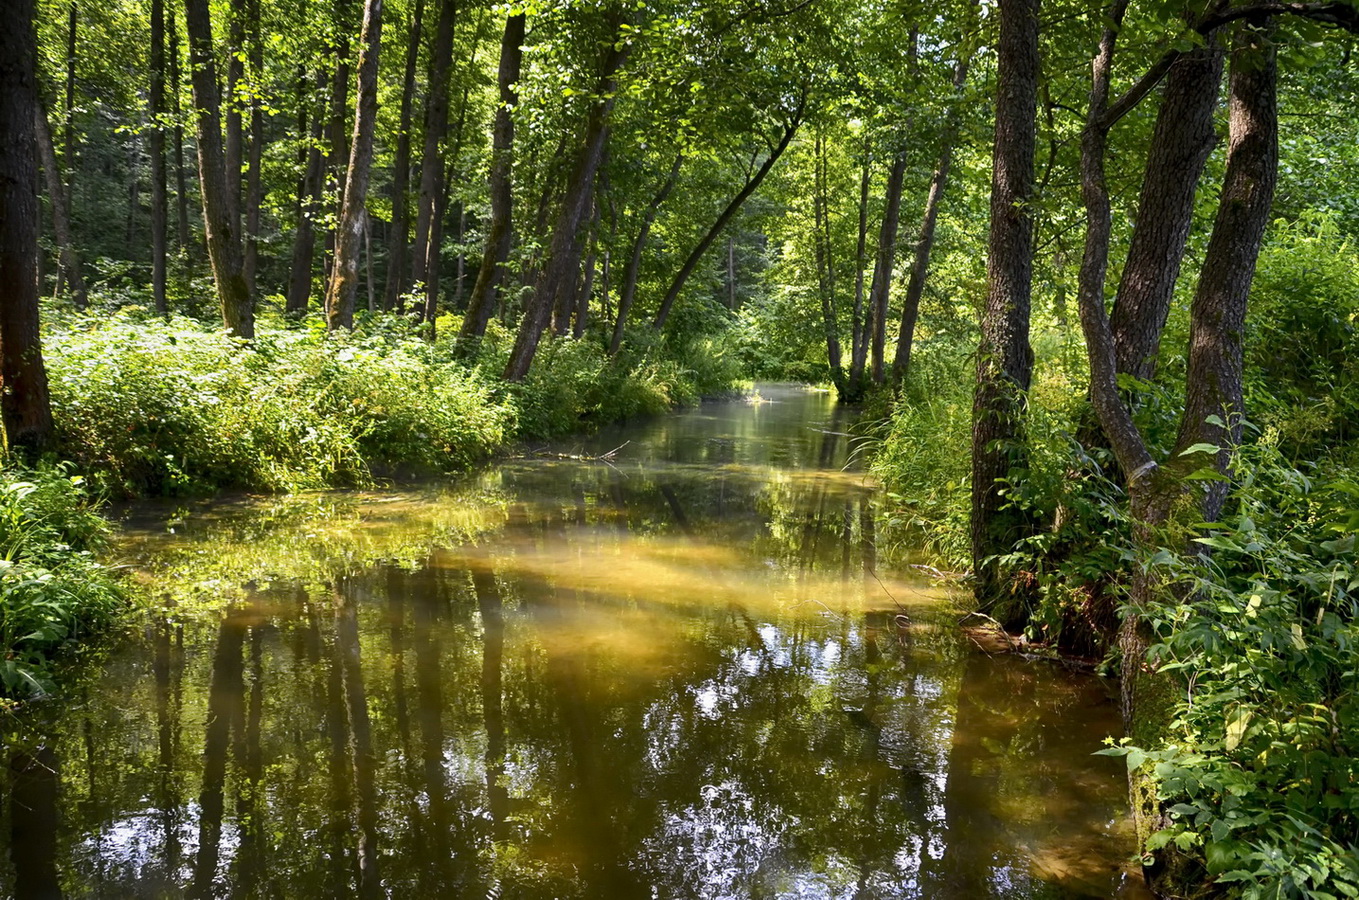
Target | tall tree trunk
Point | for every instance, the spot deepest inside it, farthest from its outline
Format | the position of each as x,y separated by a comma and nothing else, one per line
587,288
156,139
436,129
337,148
235,75
254,185
68,137
181,176
858,344
920,267
559,274
310,195
434,250
691,263
634,266
1180,145
879,293
220,222
499,230
825,265
24,403
344,281
400,228
1005,359
61,214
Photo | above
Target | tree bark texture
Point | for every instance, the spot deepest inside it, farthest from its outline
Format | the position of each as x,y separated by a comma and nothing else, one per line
499,229
24,402
401,165
1005,359
344,280
220,223
1180,145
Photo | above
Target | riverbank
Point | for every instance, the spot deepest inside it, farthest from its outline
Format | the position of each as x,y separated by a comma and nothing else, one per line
146,407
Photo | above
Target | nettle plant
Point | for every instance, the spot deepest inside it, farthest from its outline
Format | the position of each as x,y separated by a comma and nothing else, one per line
1259,773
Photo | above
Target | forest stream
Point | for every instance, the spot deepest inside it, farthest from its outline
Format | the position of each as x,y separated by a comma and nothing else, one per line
669,660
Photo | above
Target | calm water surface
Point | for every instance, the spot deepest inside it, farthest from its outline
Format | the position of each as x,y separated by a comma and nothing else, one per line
673,673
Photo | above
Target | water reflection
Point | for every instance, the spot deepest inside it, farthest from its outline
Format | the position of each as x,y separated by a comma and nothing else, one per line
672,674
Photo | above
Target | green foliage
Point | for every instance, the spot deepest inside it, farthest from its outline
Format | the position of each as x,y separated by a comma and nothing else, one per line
52,592
1258,770
1303,346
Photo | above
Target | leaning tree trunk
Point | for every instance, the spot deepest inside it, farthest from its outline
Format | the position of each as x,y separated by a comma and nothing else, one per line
61,213
401,168
1004,358
220,222
880,291
499,230
920,267
344,280
634,267
24,403
727,214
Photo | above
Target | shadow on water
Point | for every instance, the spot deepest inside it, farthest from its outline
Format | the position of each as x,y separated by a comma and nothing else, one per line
674,673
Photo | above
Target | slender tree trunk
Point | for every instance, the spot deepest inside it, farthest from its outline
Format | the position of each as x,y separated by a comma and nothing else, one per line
858,345
587,289
559,274
691,263
880,291
24,403
181,176
235,75
825,265
344,281
400,228
1180,145
1005,359
436,129
254,185
499,230
156,138
634,266
61,215
310,195
920,267
337,148
68,137
220,222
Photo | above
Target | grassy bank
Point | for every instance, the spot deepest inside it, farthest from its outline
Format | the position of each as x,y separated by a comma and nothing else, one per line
146,407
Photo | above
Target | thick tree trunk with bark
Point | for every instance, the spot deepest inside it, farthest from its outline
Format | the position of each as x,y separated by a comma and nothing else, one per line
344,280
559,274
1005,359
499,229
924,246
634,266
156,141
401,165
220,222
879,293
24,403
69,257
1180,145
436,129
696,255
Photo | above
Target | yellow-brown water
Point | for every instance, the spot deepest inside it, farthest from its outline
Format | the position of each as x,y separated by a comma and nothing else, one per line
676,672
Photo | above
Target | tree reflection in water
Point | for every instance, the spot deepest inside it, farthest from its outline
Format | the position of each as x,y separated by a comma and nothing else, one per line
675,675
